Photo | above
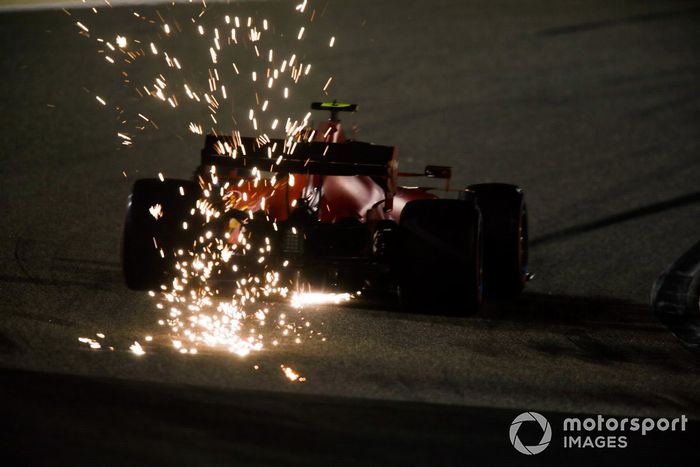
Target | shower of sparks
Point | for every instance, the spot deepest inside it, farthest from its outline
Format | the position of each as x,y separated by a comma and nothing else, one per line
328,83
137,349
156,211
91,342
272,73
291,374
197,310
198,314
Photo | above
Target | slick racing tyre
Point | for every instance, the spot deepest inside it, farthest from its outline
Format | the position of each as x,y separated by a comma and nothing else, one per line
439,264
153,230
504,216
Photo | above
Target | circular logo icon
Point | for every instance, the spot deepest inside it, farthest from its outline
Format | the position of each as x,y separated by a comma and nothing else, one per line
546,433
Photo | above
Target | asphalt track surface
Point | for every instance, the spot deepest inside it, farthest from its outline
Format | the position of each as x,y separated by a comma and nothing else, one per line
592,107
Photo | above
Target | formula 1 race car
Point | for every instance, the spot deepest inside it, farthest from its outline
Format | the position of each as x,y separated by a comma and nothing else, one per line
333,216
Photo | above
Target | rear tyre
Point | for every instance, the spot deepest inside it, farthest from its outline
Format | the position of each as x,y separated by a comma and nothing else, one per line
145,237
505,238
439,264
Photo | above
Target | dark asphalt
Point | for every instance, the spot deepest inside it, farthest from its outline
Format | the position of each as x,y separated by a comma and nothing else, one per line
99,421
592,107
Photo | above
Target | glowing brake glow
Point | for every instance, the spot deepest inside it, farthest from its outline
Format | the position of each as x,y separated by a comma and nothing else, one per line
302,299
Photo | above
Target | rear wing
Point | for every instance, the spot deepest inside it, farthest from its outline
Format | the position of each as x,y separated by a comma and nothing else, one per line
285,156
432,171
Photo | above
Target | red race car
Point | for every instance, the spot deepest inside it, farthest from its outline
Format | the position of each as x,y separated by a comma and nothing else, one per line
329,213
